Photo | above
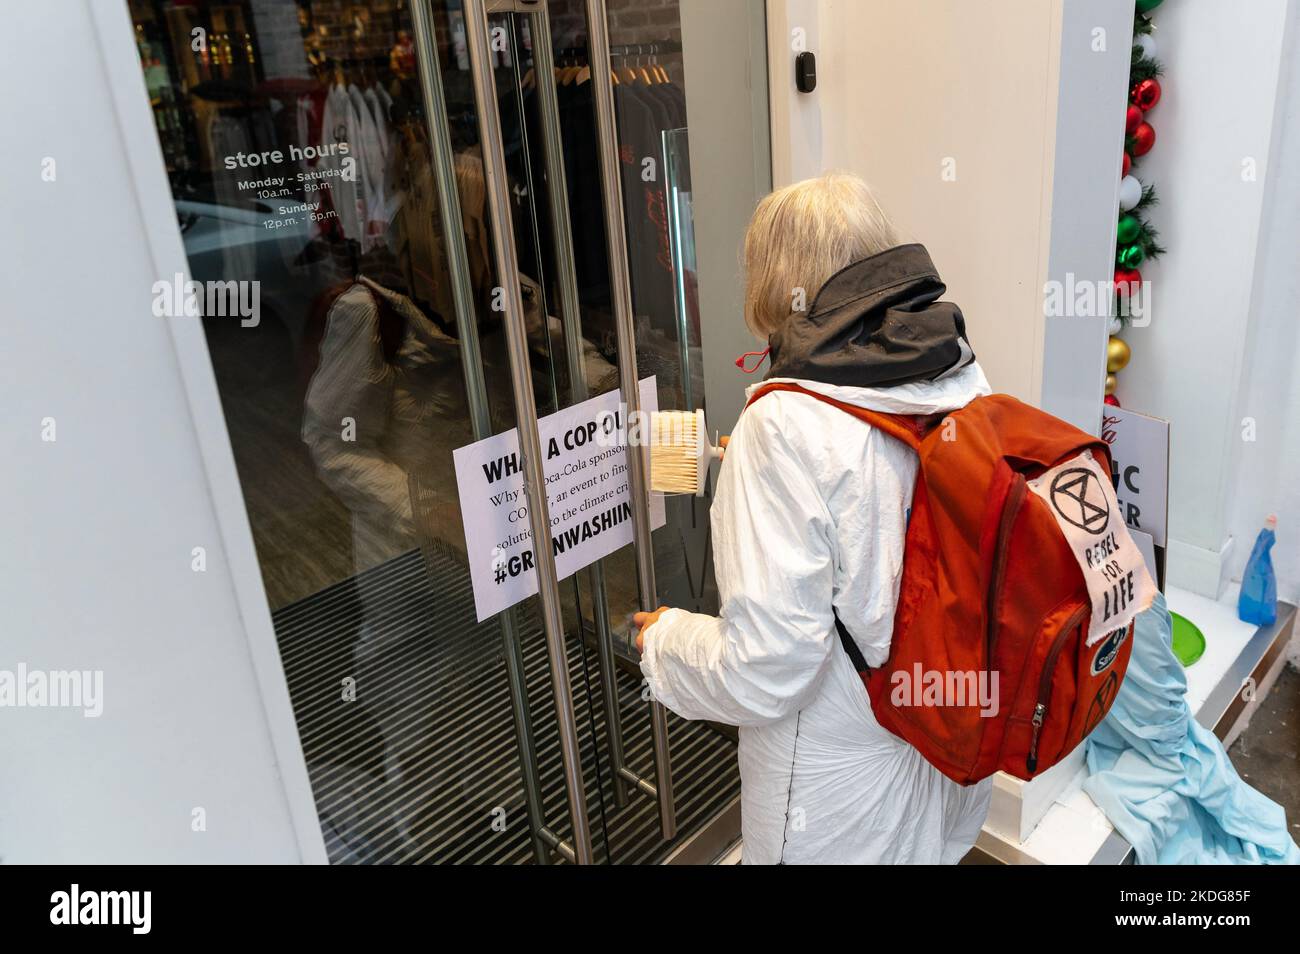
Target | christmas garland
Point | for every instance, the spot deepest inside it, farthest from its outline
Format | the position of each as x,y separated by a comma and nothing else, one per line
1136,240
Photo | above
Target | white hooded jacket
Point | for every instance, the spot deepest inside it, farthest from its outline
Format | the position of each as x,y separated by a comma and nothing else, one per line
809,519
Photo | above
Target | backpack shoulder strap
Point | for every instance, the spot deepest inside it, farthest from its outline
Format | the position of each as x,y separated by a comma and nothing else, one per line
846,640
910,430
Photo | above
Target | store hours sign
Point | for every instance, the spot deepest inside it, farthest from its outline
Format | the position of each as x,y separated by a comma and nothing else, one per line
587,491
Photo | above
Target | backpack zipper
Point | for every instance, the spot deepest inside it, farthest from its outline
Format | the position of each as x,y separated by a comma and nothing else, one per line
1015,497
1045,685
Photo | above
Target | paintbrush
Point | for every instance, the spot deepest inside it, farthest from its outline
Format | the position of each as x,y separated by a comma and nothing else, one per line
680,452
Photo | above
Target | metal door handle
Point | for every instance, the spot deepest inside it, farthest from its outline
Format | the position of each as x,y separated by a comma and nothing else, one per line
506,260
625,779
621,293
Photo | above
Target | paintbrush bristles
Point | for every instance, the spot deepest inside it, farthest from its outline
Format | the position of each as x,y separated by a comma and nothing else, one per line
676,446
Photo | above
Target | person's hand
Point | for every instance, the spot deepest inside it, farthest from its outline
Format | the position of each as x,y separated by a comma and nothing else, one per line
642,621
723,442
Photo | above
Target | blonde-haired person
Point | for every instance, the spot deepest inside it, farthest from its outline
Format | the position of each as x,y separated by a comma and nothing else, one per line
808,520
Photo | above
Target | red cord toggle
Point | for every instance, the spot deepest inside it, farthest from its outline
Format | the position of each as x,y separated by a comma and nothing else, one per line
740,362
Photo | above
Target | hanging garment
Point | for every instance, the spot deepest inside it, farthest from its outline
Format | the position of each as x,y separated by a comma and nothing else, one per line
808,521
340,124
586,205
370,170
309,113
1164,781
641,121
379,114
227,136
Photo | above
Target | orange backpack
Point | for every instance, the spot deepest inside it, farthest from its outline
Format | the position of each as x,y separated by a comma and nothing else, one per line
1020,583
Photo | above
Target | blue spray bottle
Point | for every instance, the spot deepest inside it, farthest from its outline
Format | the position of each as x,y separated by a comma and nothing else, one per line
1258,600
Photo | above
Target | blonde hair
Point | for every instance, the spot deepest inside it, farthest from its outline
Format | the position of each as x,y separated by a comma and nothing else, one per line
802,235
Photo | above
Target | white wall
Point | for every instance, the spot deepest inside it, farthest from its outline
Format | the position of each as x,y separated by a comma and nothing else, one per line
725,62
1266,474
907,91
1222,73
101,522
1095,53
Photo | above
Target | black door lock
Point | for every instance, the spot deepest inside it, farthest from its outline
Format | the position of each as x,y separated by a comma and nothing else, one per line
805,72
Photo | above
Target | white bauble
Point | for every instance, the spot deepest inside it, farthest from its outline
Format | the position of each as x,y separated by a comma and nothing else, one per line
1114,326
1130,193
1147,44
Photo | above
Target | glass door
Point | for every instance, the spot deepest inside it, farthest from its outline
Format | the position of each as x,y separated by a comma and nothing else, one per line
395,219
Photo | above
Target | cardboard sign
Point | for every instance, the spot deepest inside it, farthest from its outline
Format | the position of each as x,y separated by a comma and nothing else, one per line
1080,496
1139,452
587,490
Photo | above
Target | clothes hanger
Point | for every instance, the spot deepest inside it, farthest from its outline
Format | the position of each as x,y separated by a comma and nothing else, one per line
659,70
569,71
644,74
627,73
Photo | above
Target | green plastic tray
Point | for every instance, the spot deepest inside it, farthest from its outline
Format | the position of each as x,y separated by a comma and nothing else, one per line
1189,641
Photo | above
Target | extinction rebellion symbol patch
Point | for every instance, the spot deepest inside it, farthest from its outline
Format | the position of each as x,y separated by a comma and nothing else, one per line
1078,497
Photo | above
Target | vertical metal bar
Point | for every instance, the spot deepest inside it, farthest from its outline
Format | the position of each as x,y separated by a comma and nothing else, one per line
462,293
444,170
621,292
530,445
566,277
608,682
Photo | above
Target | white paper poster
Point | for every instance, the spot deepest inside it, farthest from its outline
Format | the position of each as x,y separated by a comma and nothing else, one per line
1139,452
587,492
1080,496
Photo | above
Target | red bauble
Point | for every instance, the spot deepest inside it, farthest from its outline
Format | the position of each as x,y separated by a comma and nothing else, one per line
1146,94
1132,120
1127,281
1128,164
1112,400
1144,137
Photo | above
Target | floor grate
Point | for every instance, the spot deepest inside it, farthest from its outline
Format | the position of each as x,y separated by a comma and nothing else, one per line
403,709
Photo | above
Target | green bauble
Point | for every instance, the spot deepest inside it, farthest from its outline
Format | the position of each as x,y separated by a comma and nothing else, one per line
1146,6
1131,256
1128,229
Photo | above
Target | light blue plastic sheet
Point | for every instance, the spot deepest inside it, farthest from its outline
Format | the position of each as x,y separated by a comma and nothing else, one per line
1164,781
